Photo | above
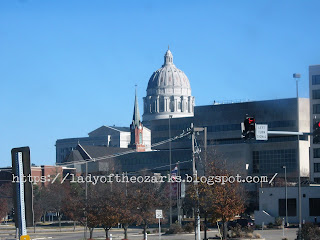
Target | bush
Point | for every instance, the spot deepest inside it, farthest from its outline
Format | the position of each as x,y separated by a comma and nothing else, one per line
174,229
270,225
278,221
257,235
247,232
189,227
258,227
310,232
247,229
237,232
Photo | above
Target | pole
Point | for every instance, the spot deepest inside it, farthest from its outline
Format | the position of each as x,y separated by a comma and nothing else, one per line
159,229
197,222
286,192
86,226
170,194
178,194
296,76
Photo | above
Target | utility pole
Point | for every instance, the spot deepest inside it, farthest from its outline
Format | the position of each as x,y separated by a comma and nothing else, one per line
170,163
86,192
195,174
286,193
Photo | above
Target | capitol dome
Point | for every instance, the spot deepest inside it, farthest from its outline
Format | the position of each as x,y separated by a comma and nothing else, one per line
168,93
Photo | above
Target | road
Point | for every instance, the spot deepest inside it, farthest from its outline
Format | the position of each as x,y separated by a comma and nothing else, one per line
134,234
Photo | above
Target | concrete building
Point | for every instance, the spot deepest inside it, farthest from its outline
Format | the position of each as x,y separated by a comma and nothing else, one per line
166,95
169,105
224,129
314,86
272,204
108,136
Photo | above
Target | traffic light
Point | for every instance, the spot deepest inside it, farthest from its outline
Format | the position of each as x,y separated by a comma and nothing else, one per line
249,128
316,132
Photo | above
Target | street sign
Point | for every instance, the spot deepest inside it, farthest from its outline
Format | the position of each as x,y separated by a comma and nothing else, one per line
158,213
262,132
22,192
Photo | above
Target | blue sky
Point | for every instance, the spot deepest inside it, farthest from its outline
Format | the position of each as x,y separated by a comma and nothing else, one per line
68,67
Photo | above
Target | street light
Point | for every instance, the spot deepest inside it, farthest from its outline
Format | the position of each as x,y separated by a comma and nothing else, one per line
286,193
170,200
297,76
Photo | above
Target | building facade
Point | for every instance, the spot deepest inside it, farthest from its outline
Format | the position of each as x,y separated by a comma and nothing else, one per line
272,204
314,87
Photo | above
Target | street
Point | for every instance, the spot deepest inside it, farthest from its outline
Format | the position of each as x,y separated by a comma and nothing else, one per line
133,233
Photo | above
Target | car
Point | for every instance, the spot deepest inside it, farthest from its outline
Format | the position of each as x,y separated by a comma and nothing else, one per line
243,222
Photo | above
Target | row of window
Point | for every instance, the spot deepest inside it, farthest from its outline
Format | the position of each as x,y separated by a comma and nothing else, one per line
271,161
239,140
316,167
314,207
225,127
316,152
316,108
315,79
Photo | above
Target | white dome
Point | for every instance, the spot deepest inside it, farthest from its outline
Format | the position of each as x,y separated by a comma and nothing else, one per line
168,93
168,76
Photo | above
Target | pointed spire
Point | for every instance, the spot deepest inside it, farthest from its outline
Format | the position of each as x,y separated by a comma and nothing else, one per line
136,113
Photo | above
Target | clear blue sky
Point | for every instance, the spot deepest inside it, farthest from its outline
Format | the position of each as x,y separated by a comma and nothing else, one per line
68,67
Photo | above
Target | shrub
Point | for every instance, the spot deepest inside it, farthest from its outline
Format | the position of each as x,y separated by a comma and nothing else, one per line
189,227
237,231
257,235
247,229
175,228
310,232
248,235
270,225
278,221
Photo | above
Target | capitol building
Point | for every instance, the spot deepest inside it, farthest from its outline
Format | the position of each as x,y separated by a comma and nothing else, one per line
169,103
168,93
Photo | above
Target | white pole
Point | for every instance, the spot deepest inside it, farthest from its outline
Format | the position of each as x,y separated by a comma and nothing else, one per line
198,227
159,229
23,230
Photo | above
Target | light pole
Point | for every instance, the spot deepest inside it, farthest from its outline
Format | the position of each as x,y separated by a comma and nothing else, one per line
286,193
297,76
170,194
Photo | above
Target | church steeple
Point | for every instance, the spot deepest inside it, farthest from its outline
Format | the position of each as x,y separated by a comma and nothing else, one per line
136,114
136,128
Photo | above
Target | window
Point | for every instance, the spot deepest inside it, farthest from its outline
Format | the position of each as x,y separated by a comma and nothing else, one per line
315,79
292,207
316,152
140,138
316,180
316,94
316,108
271,161
316,167
314,206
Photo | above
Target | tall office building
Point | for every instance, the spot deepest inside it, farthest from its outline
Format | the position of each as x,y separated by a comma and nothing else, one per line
314,87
